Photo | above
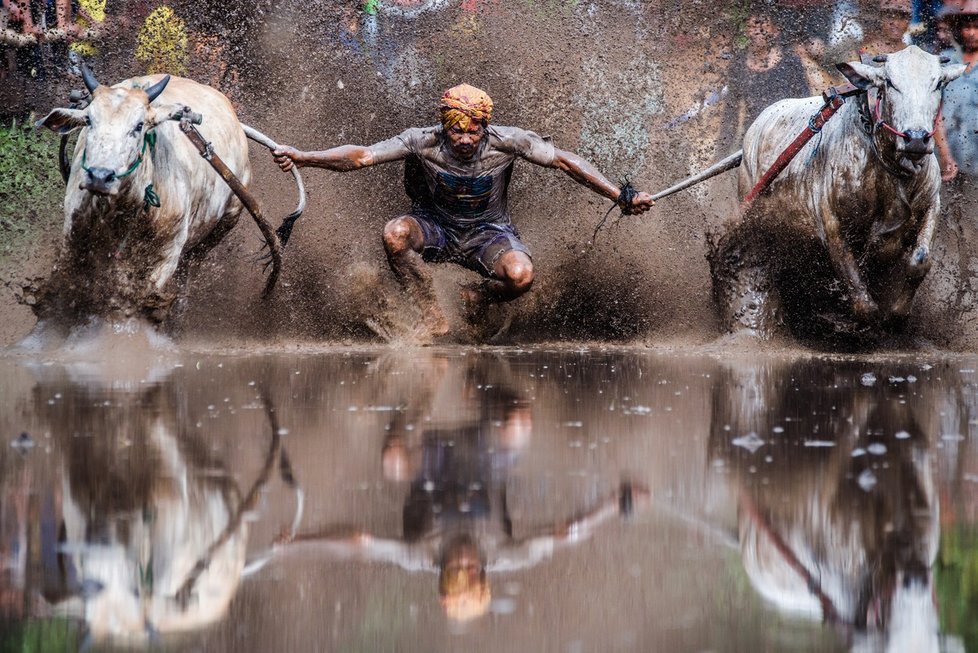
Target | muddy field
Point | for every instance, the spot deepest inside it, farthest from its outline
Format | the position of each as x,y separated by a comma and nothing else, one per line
286,474
622,83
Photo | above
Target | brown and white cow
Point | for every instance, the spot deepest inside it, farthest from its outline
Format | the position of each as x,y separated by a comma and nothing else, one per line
140,201
842,239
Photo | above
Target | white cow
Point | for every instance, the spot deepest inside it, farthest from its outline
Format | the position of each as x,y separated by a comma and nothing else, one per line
845,534
155,527
141,201
857,206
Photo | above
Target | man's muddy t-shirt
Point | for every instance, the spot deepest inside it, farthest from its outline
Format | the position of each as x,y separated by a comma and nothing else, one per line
462,194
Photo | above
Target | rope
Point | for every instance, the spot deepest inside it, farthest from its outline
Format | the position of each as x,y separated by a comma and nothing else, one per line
623,202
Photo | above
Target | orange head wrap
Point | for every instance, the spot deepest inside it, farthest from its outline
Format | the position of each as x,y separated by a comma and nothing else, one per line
462,104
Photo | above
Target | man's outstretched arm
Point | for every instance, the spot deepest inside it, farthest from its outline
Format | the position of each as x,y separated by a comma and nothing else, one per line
528,551
340,159
344,157
355,544
586,174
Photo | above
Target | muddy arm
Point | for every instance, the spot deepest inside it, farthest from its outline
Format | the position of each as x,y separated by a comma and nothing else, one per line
587,175
528,551
949,167
345,157
341,159
349,544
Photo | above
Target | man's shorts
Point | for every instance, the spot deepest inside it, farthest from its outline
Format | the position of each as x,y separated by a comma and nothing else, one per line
477,248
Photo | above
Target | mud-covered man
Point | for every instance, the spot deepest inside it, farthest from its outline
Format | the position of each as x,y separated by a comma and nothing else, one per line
457,175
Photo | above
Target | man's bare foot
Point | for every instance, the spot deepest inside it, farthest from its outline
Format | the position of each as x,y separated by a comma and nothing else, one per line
473,304
434,322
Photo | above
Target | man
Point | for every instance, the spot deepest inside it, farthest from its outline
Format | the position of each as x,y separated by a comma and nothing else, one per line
956,142
457,176
957,150
892,30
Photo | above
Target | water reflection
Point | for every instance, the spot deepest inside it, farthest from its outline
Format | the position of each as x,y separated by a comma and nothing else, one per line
447,484
837,509
143,529
455,440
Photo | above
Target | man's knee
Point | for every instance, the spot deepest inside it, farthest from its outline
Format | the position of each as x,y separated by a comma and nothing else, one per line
517,271
400,235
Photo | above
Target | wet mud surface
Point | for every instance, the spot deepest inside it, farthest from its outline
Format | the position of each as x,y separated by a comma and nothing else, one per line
612,499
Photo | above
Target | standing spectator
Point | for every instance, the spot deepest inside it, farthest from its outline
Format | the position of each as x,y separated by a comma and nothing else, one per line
956,138
891,32
762,74
957,132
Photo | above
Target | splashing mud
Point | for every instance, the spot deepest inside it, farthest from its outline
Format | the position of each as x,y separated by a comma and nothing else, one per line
641,88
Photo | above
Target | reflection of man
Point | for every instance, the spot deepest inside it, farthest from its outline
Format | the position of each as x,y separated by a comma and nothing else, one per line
456,520
457,175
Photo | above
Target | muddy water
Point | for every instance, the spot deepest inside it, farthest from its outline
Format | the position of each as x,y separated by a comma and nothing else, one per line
614,500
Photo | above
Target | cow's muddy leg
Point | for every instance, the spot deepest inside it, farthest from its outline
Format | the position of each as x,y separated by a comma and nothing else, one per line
746,298
917,265
403,242
169,303
844,263
211,240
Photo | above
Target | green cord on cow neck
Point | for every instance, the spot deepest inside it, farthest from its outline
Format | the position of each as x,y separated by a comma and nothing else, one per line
150,197
149,139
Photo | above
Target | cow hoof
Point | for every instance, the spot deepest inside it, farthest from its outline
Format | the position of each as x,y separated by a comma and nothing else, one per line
865,309
919,263
920,256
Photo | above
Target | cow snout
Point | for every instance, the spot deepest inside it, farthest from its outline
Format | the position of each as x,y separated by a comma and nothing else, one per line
917,143
100,181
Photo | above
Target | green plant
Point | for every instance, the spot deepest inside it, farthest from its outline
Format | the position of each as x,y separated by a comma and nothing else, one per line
957,583
31,190
41,636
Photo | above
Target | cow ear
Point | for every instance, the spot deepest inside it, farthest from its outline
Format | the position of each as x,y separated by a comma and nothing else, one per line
62,121
951,73
162,113
860,75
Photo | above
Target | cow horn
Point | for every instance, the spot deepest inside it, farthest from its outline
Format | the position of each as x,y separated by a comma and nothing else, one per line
157,88
880,58
89,78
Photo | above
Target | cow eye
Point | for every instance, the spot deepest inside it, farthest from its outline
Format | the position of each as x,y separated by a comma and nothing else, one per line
137,129
88,121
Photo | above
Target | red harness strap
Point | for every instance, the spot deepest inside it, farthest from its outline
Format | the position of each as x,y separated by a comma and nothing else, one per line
833,102
878,119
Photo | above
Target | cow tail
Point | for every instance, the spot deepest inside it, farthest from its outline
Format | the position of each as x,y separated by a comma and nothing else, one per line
285,230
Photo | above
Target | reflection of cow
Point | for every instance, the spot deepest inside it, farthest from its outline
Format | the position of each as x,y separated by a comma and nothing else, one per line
154,536
837,507
140,201
845,233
